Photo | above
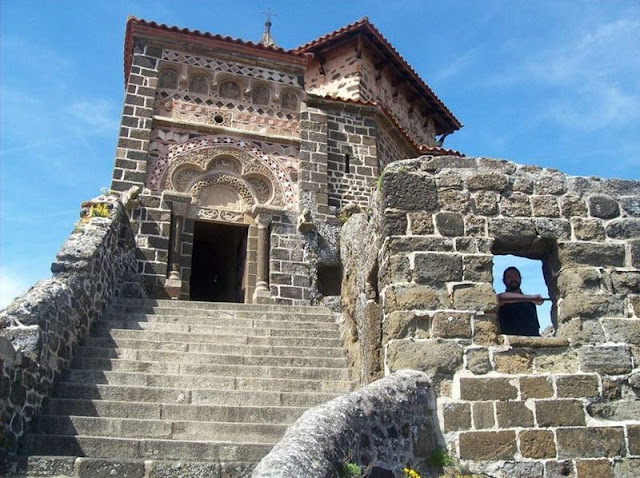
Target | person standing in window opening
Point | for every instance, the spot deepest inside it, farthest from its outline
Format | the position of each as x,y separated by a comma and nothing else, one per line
517,313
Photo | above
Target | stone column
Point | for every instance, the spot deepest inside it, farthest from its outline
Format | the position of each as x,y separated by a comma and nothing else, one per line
262,294
173,284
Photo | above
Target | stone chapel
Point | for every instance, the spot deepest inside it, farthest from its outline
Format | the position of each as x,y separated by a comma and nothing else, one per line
246,155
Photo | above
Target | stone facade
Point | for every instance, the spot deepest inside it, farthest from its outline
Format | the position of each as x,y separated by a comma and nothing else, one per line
40,330
551,406
220,131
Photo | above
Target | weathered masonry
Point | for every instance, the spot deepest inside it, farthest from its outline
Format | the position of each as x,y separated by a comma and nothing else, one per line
245,153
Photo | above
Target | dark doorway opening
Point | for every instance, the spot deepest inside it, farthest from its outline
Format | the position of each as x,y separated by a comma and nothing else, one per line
218,262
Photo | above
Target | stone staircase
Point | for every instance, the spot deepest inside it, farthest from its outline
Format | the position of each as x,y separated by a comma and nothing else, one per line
173,388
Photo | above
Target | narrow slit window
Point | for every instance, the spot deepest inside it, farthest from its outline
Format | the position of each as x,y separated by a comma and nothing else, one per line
347,162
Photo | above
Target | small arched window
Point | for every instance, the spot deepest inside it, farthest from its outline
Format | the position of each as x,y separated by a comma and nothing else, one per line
198,84
168,79
230,89
289,101
260,95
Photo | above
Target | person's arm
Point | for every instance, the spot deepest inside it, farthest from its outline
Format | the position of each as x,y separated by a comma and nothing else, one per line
511,297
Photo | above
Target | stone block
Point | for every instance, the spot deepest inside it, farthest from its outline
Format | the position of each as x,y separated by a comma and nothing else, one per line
633,435
556,361
487,181
512,234
559,469
513,414
603,206
591,254
600,468
409,191
560,413
394,223
549,228
578,279
485,330
478,361
450,224
477,267
456,416
516,205
414,297
627,468
634,253
588,229
537,444
626,281
475,296
103,468
454,200
436,268
513,361
582,331
487,388
618,410
466,244
429,356
623,330
631,205
420,223
477,227
590,442
545,206
449,179
590,306
485,203
397,244
395,268
405,324
577,386
573,206
487,445
623,229
536,387
553,183
483,415
450,325
610,360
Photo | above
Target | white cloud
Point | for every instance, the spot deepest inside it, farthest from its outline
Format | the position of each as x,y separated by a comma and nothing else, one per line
99,115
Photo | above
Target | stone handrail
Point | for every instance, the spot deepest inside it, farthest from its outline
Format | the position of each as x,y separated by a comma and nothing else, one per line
388,424
39,331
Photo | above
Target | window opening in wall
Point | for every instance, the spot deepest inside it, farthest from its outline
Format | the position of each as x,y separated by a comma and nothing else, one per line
532,282
347,160
329,280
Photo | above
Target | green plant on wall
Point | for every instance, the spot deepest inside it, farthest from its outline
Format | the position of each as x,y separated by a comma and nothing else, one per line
98,210
440,457
350,470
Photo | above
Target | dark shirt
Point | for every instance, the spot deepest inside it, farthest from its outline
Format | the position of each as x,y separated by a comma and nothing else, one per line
519,318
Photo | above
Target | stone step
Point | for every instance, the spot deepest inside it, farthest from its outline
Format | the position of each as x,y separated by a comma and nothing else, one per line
210,358
107,342
213,338
200,396
220,369
89,467
132,305
222,321
171,411
162,429
205,382
210,329
127,448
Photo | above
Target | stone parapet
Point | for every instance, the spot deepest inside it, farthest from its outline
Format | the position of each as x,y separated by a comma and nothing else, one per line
43,326
389,424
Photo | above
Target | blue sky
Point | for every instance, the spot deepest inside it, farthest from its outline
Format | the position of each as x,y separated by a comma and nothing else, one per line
553,83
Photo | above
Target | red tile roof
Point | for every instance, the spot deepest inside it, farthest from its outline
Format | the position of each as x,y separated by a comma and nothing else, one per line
364,25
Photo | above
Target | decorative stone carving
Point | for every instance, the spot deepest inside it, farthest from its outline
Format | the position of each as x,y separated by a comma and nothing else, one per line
182,177
198,84
201,196
168,79
229,89
260,95
289,101
220,215
261,188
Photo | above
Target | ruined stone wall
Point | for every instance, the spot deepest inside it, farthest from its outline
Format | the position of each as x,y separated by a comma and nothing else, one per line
43,327
553,406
